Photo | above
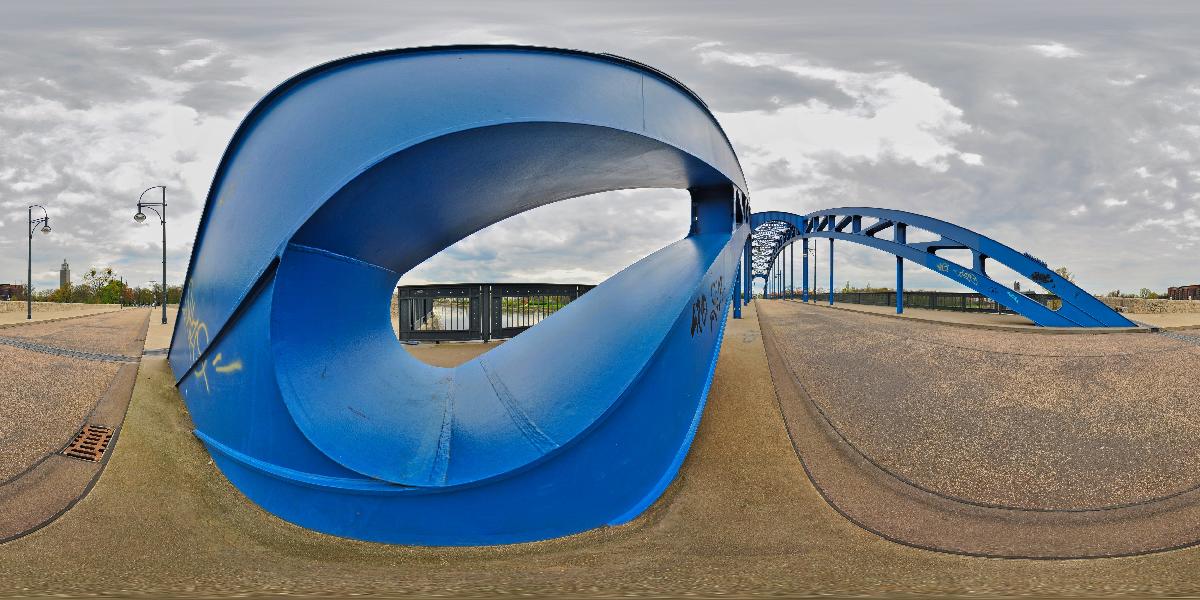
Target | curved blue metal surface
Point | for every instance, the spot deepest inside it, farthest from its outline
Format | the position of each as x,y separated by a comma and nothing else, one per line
775,230
350,174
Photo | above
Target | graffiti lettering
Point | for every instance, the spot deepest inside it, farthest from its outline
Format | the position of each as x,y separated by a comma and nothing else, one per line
706,308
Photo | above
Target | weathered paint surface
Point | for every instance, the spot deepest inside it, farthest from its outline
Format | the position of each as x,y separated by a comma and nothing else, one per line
352,173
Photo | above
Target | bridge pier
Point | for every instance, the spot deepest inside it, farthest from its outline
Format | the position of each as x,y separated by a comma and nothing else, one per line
831,271
737,294
901,238
792,272
748,266
804,272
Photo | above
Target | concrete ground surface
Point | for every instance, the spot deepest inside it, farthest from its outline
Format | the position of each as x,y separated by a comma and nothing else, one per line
114,332
993,443
944,316
1048,421
1005,321
158,336
66,311
59,375
449,354
1168,320
742,518
43,400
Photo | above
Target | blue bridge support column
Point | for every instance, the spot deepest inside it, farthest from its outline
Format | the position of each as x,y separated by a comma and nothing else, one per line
792,272
737,294
748,268
804,272
901,238
783,271
831,271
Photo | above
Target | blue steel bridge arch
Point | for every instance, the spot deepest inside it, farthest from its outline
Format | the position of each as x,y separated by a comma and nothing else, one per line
782,229
350,174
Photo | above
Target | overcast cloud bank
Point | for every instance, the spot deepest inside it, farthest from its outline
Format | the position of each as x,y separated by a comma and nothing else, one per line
1070,131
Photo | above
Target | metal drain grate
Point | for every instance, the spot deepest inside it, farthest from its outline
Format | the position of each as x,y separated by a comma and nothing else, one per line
90,443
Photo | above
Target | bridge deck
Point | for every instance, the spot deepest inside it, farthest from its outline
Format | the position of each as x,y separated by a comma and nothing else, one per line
984,426
742,518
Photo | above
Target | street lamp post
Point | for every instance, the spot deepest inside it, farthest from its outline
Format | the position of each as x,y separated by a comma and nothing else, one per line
162,219
45,223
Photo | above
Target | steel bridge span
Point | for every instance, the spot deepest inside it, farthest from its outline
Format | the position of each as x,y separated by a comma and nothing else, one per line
770,252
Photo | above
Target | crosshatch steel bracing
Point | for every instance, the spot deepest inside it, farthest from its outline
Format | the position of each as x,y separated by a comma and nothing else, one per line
457,312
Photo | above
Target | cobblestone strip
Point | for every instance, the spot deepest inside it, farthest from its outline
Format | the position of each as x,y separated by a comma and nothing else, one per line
1191,339
43,348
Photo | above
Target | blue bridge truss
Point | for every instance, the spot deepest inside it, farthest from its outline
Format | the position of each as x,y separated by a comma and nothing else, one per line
775,232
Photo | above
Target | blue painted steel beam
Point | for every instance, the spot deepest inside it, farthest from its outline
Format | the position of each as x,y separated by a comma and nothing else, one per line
352,173
804,273
831,268
1079,308
900,236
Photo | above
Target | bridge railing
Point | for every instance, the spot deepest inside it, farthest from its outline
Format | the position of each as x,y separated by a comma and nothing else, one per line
477,311
966,302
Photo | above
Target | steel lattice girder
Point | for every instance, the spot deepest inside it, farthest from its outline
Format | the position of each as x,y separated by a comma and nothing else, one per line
350,174
1079,308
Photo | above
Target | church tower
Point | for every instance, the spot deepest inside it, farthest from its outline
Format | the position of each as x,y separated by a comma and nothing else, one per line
64,276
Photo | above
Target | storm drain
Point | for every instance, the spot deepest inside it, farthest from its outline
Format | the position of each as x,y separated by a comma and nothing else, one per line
90,443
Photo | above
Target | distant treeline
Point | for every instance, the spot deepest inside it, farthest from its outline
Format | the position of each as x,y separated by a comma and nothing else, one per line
103,286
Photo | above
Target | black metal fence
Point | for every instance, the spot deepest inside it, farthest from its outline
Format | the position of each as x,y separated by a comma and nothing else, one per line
478,311
968,302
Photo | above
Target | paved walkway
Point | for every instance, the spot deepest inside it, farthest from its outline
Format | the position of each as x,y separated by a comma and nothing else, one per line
1080,444
1178,321
1174,321
158,336
59,376
742,518
61,312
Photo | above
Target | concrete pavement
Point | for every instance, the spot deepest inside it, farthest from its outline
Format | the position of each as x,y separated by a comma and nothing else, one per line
993,443
63,311
58,377
742,518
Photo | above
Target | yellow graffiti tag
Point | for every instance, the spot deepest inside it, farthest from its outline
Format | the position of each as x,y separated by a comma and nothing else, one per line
232,367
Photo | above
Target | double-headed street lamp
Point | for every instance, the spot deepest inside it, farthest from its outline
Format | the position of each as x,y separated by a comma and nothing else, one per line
140,217
33,226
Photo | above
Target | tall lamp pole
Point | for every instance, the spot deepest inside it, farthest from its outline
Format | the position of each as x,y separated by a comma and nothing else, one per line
45,223
162,219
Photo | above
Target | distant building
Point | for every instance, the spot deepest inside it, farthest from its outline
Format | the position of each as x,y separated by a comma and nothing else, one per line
64,276
12,291
1184,292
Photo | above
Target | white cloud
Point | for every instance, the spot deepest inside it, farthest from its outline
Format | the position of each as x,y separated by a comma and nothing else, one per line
1115,202
895,116
1055,50
1078,210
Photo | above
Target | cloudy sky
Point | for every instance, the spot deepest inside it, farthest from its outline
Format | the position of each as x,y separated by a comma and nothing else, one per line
1069,130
